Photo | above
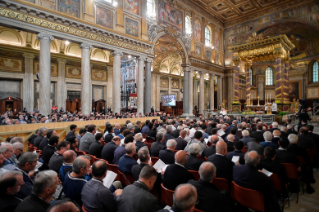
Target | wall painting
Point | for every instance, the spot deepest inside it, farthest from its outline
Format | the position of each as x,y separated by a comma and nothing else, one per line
132,6
198,31
217,40
198,50
294,90
166,14
131,27
104,17
70,7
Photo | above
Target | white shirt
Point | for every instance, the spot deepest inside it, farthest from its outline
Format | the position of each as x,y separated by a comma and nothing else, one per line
192,132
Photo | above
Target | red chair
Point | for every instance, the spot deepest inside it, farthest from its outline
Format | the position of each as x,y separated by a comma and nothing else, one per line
39,153
93,159
301,160
148,144
196,210
135,156
244,149
144,135
195,174
227,125
221,184
113,168
149,140
270,126
154,160
83,209
209,144
166,196
265,125
292,174
276,182
126,179
247,197
80,153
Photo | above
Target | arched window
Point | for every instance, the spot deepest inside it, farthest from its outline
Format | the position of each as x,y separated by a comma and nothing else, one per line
150,8
251,76
208,37
315,71
188,26
269,76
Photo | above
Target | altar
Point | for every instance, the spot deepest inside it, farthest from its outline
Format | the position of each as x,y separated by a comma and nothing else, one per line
265,118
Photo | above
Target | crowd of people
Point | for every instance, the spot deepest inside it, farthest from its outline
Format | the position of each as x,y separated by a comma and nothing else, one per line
62,177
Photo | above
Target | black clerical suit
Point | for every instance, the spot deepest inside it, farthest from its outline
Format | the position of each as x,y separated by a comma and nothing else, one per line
175,175
224,166
156,147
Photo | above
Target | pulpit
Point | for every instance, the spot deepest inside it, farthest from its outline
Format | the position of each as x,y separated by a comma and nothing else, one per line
72,105
12,104
99,104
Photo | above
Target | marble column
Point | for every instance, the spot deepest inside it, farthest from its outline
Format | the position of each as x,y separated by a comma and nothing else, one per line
116,94
220,91
195,94
140,85
148,86
248,65
86,90
201,93
169,85
186,92
158,93
154,91
236,81
212,91
61,85
191,91
28,82
109,89
45,73
179,96
285,81
278,80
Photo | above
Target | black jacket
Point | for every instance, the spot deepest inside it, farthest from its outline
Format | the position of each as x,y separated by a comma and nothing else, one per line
108,138
137,197
96,149
47,153
181,143
175,133
258,136
137,130
224,166
156,147
32,203
167,137
139,145
237,153
38,140
151,133
175,175
283,156
108,151
192,163
299,151
167,156
247,139
43,143
209,197
8,203
305,141
209,151
136,170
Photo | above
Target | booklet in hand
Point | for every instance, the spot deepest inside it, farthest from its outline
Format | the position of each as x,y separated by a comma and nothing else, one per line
109,179
235,159
220,132
268,173
160,166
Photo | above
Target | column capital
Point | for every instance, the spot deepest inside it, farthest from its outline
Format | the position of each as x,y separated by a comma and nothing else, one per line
60,60
212,75
149,60
86,46
43,35
186,68
117,53
141,58
28,55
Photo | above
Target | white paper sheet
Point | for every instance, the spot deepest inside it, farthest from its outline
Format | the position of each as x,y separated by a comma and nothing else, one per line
39,164
160,166
109,179
235,159
268,173
220,132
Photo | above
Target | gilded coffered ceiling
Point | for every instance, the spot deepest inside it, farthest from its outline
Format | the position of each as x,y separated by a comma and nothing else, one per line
236,11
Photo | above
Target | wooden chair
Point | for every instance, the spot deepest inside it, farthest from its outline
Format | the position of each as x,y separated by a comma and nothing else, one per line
270,126
144,135
39,153
115,169
221,184
244,149
154,160
149,140
265,125
276,182
80,153
195,174
93,159
209,144
227,125
135,157
292,174
166,196
247,197
126,179
301,160
148,144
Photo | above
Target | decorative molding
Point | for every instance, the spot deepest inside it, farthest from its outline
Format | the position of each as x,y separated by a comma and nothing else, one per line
206,65
11,65
175,83
73,71
43,35
313,93
37,17
99,75
164,83
85,46
54,68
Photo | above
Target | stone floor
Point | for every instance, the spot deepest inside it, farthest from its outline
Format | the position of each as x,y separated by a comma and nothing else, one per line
307,202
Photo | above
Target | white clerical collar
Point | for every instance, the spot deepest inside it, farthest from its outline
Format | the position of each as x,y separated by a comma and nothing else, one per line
179,164
220,154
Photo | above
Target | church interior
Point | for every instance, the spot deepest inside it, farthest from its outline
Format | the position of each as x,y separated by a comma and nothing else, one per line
243,57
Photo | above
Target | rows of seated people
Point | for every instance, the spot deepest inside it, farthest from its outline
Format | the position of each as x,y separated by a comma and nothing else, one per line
200,155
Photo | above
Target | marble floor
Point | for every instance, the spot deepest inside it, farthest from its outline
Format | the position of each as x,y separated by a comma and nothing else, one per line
307,202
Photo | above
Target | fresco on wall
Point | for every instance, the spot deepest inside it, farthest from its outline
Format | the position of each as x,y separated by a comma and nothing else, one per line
198,50
131,27
208,55
198,31
167,14
104,17
217,41
70,7
217,59
294,90
132,6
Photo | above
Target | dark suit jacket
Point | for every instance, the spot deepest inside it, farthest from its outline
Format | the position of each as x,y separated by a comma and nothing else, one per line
32,203
139,145
237,153
175,133
291,131
96,149
230,146
108,138
258,136
239,133
282,156
167,137
248,176
175,175
192,163
43,143
137,130
271,144
156,147
305,141
136,170
272,129
315,137
108,151
209,151
137,197
247,139
47,153
275,140
38,140
284,134
181,143
256,147
299,151
167,156
209,197
151,133
224,166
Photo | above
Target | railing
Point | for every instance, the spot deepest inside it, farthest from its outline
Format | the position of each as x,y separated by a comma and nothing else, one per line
25,131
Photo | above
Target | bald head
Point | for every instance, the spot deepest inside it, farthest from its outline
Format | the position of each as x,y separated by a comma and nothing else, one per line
63,206
180,157
221,147
185,197
214,139
69,156
252,158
